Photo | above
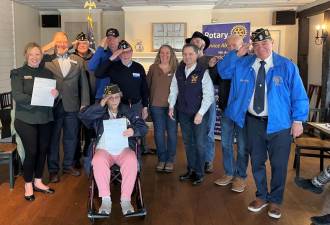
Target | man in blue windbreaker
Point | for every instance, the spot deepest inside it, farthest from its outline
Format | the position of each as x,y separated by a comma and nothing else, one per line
268,97
108,45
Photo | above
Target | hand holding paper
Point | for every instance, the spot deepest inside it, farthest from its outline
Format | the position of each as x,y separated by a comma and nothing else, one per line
43,90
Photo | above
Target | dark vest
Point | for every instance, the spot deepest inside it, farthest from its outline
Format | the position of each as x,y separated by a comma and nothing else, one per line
190,89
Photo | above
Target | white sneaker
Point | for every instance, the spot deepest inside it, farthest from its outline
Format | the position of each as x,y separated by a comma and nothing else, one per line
126,207
105,207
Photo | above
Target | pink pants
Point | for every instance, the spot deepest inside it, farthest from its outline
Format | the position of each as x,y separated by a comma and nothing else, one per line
102,162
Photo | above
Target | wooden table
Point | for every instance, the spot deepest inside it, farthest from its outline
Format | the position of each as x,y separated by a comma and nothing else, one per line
320,126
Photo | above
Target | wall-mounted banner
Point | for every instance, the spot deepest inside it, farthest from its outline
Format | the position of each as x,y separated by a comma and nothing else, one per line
218,33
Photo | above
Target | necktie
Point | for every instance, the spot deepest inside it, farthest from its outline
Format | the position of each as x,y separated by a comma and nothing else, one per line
259,93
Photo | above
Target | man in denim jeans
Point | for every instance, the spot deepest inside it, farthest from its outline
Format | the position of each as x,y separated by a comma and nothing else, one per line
235,170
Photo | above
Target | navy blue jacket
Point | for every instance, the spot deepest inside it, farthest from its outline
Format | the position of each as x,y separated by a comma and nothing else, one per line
93,116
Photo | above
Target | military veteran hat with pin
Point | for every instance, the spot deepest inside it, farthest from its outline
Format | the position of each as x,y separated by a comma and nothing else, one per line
82,37
260,34
124,45
112,32
111,90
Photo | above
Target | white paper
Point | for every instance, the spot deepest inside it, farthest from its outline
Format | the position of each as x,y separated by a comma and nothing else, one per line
113,131
41,95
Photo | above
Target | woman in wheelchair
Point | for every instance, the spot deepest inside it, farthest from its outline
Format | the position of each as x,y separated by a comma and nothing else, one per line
104,158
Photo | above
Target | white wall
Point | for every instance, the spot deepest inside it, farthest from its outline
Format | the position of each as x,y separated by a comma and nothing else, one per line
115,19
138,21
314,52
7,60
27,29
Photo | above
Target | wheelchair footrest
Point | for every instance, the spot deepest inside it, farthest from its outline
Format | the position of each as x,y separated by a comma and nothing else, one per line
139,213
97,215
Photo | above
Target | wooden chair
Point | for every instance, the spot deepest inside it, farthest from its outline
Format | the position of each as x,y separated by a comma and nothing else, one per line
313,146
8,148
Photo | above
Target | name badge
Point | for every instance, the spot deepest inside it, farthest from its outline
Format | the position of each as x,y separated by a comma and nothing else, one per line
28,77
136,75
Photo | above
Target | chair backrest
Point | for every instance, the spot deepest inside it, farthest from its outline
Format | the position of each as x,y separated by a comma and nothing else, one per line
314,114
5,118
6,101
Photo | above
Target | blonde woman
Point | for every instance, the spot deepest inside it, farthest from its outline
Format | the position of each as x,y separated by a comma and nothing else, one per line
32,123
159,79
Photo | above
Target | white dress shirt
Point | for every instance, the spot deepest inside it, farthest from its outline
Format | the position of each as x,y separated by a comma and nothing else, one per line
207,88
65,64
256,65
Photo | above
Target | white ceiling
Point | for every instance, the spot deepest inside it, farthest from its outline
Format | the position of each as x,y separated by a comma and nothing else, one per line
117,4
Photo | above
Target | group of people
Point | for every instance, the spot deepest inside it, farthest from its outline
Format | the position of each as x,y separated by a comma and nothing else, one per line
261,96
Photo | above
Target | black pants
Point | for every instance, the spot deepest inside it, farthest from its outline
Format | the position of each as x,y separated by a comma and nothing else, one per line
36,141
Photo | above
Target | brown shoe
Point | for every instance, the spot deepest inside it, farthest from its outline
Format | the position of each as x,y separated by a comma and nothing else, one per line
160,166
54,178
257,205
72,172
238,185
274,211
224,180
169,167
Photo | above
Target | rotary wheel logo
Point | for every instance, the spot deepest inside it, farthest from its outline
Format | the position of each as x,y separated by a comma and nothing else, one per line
240,30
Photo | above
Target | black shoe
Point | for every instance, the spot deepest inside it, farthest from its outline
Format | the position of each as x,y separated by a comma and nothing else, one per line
77,165
208,167
29,198
321,220
197,180
47,191
54,178
189,175
308,185
72,172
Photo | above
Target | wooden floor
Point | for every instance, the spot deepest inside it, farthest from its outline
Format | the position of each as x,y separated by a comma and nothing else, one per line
168,201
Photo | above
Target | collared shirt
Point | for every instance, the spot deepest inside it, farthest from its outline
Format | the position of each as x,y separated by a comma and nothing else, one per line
207,86
65,64
256,65
129,64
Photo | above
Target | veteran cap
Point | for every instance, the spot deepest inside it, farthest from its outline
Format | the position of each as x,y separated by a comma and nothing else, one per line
124,45
198,34
260,34
112,32
82,37
111,89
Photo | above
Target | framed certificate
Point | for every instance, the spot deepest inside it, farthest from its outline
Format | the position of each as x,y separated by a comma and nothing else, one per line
173,34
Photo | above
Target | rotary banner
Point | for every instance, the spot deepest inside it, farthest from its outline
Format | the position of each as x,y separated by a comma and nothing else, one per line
218,33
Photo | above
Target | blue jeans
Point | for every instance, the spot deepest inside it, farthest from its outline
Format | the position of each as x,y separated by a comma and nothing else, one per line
69,122
209,152
231,166
193,137
165,144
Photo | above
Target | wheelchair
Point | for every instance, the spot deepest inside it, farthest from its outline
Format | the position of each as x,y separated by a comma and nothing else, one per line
137,199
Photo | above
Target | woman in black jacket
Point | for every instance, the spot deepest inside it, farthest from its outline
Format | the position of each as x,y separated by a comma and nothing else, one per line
32,123
96,116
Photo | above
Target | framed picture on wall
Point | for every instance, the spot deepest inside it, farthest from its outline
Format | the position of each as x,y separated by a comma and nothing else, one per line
173,34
